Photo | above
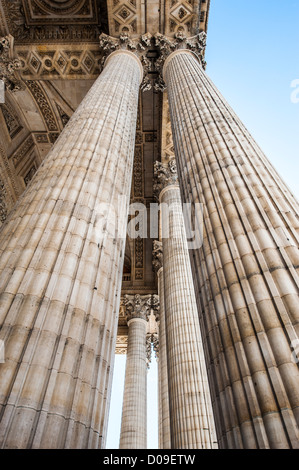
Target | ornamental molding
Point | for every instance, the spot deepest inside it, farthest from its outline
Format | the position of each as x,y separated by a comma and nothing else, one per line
22,151
164,175
3,204
44,106
52,21
11,119
121,344
58,61
124,16
9,65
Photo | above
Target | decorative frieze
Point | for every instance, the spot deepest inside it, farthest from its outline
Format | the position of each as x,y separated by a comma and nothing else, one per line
28,177
43,104
121,344
58,61
11,119
3,205
23,150
138,171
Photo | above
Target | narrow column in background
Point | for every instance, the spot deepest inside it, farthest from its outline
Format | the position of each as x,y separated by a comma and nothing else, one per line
164,425
133,433
191,420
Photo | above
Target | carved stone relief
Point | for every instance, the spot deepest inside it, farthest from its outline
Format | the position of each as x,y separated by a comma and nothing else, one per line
43,104
35,21
3,205
59,62
22,151
124,16
11,119
8,65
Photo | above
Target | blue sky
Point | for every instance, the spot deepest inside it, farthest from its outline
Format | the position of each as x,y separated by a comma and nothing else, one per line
252,57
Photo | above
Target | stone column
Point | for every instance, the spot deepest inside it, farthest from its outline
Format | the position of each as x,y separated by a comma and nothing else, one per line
61,263
246,272
133,433
164,425
191,420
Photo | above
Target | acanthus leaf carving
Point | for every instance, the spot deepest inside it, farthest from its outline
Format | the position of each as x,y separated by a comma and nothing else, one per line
139,46
164,175
157,261
137,306
166,46
8,65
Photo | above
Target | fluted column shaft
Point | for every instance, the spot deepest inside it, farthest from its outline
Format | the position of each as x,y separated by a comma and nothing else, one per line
246,272
61,273
163,382
191,422
133,433
164,423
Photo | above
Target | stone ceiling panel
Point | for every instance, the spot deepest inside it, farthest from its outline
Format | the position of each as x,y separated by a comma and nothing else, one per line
40,12
54,21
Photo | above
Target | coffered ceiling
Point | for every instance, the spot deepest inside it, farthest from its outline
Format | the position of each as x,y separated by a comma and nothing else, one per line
37,21
40,12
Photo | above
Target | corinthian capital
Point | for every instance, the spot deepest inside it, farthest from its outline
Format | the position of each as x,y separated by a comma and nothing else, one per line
164,175
137,306
166,46
8,65
139,46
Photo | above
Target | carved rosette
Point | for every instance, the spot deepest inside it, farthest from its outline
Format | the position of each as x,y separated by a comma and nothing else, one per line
139,46
8,65
164,175
137,306
166,46
157,256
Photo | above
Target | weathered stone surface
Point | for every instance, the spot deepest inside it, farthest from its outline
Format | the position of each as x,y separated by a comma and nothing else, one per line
190,410
61,273
246,272
134,412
